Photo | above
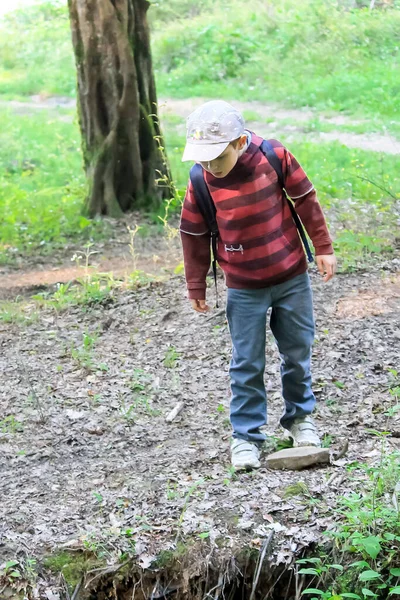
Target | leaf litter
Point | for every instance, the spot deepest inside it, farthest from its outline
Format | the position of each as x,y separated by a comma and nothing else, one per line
89,461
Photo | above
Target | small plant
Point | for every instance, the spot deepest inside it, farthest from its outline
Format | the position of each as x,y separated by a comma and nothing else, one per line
10,425
171,357
17,313
132,249
11,570
172,491
367,538
189,494
231,476
83,355
299,488
140,385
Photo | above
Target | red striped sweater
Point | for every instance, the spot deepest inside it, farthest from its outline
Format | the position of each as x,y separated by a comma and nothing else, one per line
258,242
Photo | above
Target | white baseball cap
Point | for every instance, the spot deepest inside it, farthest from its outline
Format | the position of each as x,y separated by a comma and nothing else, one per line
210,129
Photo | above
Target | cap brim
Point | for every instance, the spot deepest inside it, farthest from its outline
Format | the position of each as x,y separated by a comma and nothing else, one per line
203,152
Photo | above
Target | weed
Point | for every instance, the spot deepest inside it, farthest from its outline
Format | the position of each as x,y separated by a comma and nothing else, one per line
83,355
171,491
171,357
367,537
231,476
327,441
17,313
141,387
132,248
10,425
98,497
188,495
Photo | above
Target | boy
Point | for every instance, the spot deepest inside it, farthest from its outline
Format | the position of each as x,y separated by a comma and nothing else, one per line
261,254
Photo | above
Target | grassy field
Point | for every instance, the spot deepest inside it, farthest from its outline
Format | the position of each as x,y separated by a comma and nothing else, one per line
323,55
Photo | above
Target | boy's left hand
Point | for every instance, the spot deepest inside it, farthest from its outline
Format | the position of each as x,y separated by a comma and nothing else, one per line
326,264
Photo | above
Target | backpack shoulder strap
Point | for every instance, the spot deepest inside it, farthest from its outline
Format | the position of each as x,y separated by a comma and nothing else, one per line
203,198
273,159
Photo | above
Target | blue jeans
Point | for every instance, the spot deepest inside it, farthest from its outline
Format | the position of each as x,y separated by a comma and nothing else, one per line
292,323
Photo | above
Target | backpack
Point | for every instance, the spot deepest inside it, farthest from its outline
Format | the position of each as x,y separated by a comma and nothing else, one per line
207,208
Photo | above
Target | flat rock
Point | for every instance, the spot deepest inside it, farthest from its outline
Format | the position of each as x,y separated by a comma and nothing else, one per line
294,459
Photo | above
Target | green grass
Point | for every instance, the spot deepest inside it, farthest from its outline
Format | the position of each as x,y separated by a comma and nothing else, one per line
320,54
36,51
42,185
312,53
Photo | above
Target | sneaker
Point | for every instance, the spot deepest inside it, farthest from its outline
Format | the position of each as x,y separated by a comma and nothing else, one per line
304,433
245,455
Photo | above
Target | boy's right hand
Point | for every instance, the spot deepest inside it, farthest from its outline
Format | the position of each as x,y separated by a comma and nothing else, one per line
200,306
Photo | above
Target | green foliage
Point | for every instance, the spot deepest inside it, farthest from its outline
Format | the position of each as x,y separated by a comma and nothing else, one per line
42,185
36,51
368,530
315,53
171,357
17,313
90,291
140,402
10,425
322,54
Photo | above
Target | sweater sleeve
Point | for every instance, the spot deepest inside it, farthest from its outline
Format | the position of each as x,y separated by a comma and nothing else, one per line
195,238
300,189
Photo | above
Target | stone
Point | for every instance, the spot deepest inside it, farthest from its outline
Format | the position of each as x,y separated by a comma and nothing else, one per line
294,459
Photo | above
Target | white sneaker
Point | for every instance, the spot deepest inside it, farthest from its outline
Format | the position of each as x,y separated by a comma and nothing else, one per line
304,433
245,455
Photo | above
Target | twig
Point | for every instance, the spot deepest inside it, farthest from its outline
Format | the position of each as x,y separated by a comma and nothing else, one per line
378,186
174,412
337,478
76,590
219,313
65,586
260,561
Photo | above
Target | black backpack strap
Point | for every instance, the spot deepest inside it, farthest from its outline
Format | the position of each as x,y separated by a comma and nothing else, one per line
207,208
273,159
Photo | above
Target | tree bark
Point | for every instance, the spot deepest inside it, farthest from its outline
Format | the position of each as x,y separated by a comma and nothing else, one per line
117,106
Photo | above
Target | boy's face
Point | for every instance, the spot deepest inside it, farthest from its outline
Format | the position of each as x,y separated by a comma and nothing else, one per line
224,163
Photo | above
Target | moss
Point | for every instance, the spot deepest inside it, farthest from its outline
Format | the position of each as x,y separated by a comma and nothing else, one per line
167,559
73,565
296,489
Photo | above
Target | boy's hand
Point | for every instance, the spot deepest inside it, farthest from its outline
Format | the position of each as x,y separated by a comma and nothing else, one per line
200,306
326,264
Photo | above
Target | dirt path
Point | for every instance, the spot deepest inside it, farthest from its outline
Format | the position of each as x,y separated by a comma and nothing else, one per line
371,142
87,454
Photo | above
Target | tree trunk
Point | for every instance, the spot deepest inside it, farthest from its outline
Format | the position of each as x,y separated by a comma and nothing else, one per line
117,105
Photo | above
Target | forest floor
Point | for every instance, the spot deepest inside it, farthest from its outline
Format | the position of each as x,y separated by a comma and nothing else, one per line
89,461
